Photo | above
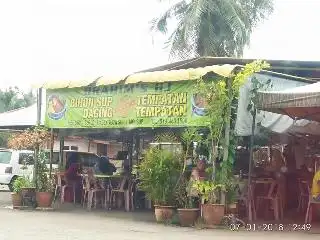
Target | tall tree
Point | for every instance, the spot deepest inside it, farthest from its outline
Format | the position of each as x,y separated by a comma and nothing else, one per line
13,98
220,28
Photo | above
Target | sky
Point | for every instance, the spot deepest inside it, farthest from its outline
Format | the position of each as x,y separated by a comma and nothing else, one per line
46,40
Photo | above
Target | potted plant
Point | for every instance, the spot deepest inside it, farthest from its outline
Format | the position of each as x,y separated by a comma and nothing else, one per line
45,185
212,212
33,139
158,174
16,195
187,214
231,196
28,192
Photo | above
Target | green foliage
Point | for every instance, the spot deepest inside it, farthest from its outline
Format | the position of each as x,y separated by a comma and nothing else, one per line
189,136
11,99
231,189
181,194
215,93
211,27
208,190
225,171
4,137
256,84
21,182
221,109
44,182
14,98
168,137
159,172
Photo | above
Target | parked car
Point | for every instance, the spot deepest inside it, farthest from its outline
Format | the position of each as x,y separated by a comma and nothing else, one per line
14,163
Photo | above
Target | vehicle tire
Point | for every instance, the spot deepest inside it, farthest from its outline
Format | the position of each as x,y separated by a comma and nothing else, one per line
10,185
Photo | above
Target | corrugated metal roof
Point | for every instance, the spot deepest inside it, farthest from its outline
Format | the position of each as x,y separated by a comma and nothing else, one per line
304,69
22,117
195,68
180,75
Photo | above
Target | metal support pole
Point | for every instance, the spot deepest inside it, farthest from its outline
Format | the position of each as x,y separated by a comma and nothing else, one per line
250,204
61,145
36,150
51,152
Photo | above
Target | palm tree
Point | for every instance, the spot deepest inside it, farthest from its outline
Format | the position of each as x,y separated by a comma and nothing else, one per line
220,28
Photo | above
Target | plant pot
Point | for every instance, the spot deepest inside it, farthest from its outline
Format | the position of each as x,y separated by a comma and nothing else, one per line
27,191
16,199
28,195
232,208
213,213
163,213
188,216
44,199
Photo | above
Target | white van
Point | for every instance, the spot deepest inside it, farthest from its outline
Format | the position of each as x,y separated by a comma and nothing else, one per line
14,163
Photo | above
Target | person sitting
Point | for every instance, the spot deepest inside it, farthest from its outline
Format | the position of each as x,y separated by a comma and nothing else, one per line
73,179
94,183
72,172
315,190
105,166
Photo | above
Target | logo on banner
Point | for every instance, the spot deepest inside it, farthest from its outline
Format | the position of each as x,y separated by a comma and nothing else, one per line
56,107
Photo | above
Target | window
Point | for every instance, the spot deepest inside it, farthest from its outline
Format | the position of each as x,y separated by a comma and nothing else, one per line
102,149
74,148
5,157
66,148
26,158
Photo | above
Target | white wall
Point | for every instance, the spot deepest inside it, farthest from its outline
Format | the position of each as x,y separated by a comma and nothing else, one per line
93,148
81,144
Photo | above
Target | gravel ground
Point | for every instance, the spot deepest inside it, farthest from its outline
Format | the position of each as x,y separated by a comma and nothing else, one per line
82,225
